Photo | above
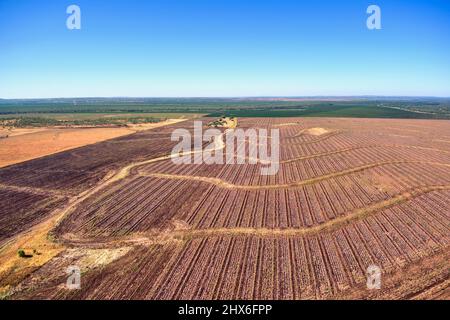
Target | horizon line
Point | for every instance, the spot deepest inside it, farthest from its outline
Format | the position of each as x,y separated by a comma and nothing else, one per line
233,97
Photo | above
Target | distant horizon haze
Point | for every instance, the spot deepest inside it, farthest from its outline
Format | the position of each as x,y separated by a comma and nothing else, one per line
319,97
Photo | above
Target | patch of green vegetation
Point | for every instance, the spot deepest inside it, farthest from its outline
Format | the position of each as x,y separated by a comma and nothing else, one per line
21,253
332,110
27,122
92,116
133,105
360,107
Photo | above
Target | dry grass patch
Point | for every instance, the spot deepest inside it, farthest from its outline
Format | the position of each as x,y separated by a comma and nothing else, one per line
38,249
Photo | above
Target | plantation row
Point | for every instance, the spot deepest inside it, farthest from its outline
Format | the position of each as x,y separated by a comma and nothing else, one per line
255,267
145,203
297,143
294,171
346,142
20,210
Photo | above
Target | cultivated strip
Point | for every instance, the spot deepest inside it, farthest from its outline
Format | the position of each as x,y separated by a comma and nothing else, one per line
227,185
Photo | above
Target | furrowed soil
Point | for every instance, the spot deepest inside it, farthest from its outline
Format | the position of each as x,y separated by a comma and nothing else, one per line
349,194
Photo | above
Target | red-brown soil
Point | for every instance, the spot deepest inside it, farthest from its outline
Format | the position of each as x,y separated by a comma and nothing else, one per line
356,193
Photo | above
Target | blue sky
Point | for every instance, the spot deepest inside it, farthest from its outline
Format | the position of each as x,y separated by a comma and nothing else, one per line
170,48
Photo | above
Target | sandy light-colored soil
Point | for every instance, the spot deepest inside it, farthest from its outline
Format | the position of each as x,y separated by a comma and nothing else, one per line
19,145
316,131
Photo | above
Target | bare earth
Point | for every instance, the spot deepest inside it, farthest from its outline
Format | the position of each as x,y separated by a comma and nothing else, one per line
31,143
350,194
316,131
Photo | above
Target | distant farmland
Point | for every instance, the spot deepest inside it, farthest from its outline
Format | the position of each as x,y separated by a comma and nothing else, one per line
331,110
351,107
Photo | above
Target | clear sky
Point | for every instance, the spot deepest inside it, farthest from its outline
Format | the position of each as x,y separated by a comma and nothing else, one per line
169,48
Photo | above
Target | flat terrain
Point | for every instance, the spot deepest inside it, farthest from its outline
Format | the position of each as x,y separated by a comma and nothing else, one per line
99,115
350,193
349,107
22,144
